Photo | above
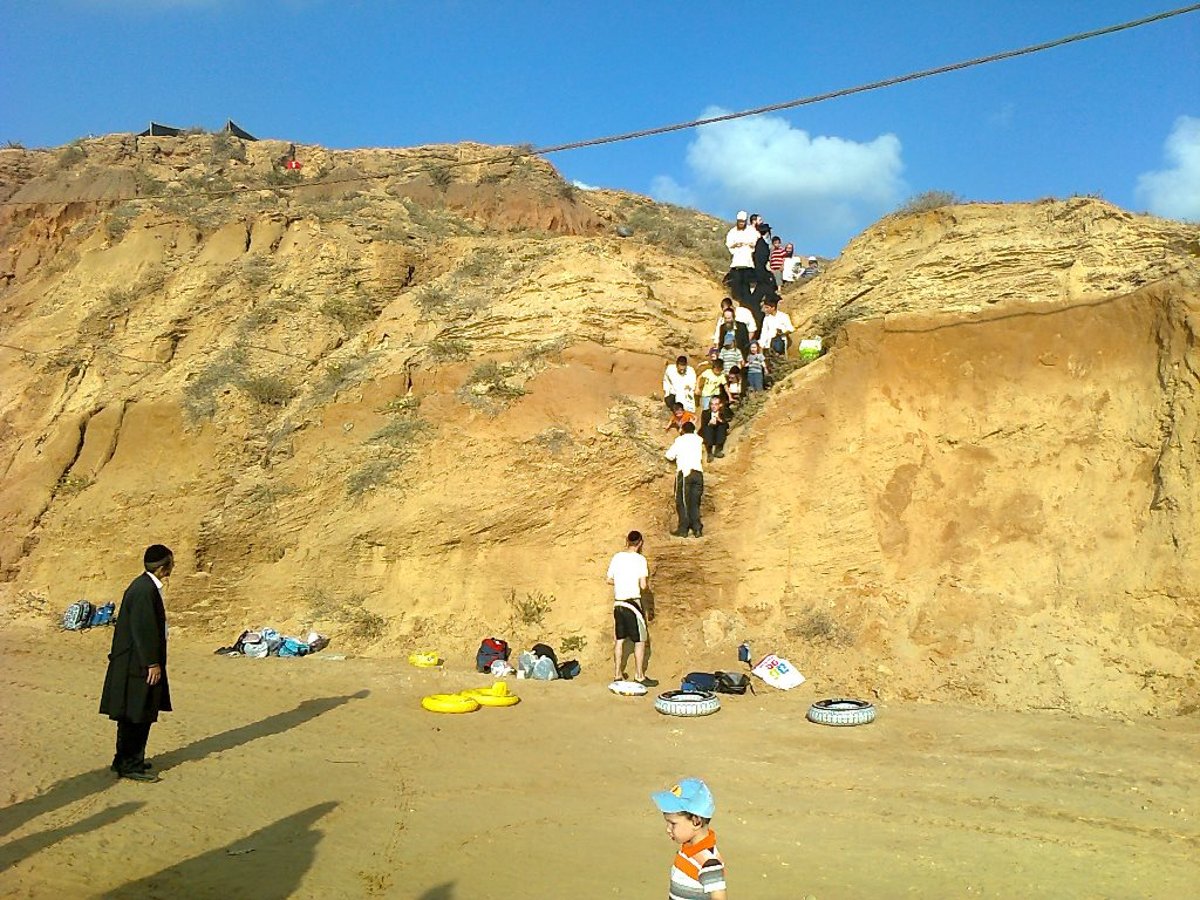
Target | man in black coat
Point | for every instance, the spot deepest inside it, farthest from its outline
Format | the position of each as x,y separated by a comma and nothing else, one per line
135,686
730,325
764,281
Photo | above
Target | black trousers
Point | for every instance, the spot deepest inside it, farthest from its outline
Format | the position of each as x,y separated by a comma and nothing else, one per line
689,489
739,284
714,435
131,744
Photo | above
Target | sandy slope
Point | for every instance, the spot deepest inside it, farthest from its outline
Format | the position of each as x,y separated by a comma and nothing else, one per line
324,778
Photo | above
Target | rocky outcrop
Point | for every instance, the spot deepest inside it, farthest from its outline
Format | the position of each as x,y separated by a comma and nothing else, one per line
404,397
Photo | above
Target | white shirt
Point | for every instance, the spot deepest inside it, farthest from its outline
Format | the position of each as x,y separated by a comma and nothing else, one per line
627,570
740,242
686,453
740,314
158,584
681,386
776,323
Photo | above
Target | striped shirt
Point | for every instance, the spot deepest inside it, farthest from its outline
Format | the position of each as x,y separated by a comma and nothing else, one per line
731,356
775,263
698,870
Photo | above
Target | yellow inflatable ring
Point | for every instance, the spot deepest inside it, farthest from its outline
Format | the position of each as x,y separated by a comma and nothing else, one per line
449,703
496,695
424,660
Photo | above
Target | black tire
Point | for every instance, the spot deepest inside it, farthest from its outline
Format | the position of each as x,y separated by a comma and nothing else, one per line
842,712
687,703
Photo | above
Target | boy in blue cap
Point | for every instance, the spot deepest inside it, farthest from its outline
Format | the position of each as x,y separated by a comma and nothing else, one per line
698,872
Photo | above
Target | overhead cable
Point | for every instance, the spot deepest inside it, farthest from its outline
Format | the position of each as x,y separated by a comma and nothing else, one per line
661,129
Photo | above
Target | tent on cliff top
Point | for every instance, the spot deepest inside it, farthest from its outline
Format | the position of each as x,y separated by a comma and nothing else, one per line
231,127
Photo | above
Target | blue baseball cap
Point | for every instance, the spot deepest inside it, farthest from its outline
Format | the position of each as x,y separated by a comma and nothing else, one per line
689,796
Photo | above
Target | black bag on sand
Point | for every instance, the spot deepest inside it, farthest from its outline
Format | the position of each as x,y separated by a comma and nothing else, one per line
546,650
569,669
733,683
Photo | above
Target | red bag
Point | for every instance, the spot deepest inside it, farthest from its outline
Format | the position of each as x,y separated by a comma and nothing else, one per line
490,650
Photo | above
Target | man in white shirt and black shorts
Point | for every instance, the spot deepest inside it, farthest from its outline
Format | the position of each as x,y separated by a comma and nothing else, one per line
629,575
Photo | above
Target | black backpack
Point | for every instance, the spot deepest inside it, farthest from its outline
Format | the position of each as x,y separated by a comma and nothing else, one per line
733,683
569,669
545,650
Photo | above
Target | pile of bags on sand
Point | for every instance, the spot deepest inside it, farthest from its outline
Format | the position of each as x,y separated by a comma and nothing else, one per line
539,663
269,642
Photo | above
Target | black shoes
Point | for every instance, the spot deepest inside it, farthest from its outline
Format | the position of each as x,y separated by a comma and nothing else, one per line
648,682
699,532
138,774
679,533
143,766
719,453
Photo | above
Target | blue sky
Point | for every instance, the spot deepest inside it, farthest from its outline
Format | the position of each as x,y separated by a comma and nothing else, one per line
1118,116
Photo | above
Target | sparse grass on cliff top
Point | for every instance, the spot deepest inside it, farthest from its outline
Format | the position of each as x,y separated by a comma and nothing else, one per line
926,201
679,231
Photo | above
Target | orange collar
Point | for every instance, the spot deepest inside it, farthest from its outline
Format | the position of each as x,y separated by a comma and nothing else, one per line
706,843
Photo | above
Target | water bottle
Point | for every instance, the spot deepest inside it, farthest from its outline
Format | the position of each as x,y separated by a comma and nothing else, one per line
744,652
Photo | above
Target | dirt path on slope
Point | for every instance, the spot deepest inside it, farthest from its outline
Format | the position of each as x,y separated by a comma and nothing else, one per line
324,778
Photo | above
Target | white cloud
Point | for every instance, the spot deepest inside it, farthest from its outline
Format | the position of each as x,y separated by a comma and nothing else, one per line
809,188
584,186
668,190
1175,192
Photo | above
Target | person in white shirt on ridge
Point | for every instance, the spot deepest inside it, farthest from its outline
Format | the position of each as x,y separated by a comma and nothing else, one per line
740,241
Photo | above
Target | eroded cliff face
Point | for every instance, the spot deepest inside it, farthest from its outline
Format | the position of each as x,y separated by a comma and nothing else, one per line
993,476
415,409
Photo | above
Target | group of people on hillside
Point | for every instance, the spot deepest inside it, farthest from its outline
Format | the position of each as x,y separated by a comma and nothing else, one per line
760,262
750,330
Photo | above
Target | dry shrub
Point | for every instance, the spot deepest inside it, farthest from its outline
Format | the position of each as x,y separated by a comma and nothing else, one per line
370,475
355,621
118,220
926,201
269,390
351,311
443,349
573,643
531,610
818,626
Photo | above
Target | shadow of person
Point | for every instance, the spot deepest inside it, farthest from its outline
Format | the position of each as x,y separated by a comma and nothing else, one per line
441,892
15,851
648,608
75,788
235,737
267,864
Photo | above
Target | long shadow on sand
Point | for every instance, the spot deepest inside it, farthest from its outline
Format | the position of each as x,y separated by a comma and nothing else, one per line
269,863
75,788
22,848
441,892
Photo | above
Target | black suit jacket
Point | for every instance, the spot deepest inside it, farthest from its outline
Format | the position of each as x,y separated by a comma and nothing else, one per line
139,641
741,337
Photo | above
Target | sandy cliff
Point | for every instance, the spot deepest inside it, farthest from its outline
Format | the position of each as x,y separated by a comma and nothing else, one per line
414,409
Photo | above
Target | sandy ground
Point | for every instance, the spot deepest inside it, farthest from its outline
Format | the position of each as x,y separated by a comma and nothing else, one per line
324,778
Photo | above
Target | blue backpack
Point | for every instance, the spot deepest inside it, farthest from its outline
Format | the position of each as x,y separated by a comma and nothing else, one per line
699,681
293,647
103,615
